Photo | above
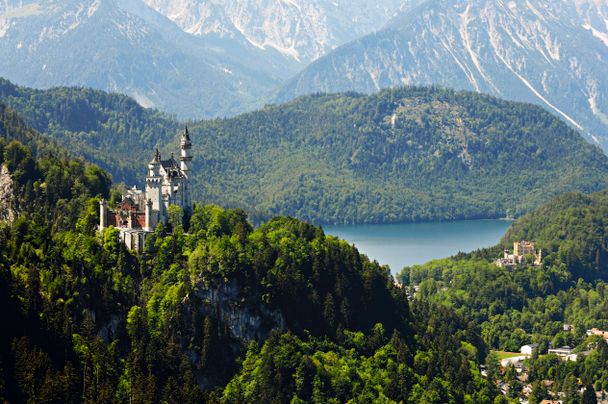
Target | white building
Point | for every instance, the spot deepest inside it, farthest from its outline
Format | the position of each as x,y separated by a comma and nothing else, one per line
563,352
139,212
529,349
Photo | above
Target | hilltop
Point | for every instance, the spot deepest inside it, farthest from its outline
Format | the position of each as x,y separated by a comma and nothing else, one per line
551,53
220,313
408,154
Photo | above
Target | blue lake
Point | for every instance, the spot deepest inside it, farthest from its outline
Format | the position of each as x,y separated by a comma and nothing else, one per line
400,245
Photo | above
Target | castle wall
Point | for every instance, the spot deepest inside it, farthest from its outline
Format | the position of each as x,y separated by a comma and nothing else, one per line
110,219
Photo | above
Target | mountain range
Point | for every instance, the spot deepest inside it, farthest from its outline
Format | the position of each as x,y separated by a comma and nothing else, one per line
552,53
206,58
302,30
193,58
127,47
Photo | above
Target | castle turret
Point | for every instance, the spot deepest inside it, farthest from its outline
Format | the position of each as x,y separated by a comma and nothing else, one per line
103,214
154,165
185,157
185,162
150,221
154,182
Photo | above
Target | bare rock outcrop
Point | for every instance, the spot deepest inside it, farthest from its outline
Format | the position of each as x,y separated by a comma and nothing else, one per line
7,196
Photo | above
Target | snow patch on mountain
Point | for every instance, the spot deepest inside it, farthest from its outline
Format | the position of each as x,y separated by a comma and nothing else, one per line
4,27
301,30
9,12
70,20
602,36
19,10
540,51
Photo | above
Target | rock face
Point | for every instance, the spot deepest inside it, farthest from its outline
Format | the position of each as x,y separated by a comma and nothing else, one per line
191,57
553,53
299,29
125,46
7,197
246,321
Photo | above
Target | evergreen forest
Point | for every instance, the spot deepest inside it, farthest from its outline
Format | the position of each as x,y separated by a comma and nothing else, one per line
219,310
213,311
403,155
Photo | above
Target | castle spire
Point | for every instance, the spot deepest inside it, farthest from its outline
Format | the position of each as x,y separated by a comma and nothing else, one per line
157,155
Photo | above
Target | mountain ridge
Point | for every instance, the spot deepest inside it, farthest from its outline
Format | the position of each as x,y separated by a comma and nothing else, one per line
138,52
511,50
300,30
146,50
409,154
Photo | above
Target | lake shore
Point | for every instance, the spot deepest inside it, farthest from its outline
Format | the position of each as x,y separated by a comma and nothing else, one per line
400,245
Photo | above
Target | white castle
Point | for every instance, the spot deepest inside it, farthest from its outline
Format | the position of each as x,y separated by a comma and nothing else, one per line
139,212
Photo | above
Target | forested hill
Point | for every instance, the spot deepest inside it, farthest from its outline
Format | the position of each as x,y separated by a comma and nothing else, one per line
109,129
552,304
409,154
573,230
399,155
214,311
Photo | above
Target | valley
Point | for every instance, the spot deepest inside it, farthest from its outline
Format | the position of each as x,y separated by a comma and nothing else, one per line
303,201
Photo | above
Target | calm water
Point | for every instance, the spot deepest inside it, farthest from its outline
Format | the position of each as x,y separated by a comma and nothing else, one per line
400,245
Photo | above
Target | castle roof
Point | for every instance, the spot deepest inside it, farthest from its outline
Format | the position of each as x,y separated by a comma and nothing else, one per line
172,168
169,164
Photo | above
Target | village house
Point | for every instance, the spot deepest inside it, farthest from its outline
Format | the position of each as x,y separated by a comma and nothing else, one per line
563,352
529,349
599,333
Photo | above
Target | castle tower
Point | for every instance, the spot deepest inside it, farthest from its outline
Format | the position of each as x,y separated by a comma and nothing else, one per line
103,214
185,162
185,153
154,182
150,222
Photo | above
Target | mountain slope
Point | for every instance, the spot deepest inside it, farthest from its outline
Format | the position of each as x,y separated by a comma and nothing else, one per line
93,322
554,54
301,30
193,58
402,155
137,52
409,154
101,127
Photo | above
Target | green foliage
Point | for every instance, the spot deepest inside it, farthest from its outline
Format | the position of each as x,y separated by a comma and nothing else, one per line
570,230
18,160
98,126
340,158
516,306
289,369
